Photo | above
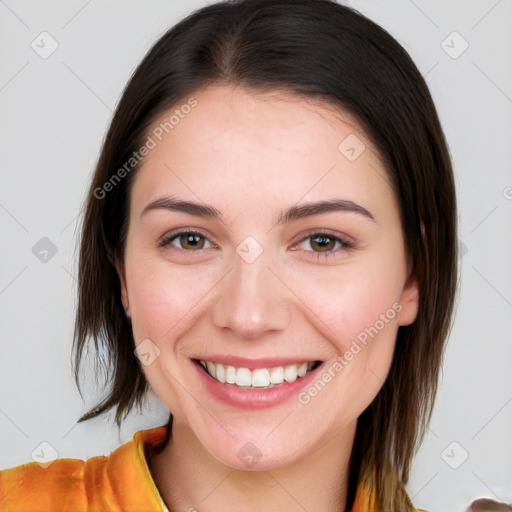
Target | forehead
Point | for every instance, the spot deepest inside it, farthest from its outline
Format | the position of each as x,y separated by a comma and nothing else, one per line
220,109
263,144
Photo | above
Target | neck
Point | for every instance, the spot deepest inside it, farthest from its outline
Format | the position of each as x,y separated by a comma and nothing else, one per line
190,479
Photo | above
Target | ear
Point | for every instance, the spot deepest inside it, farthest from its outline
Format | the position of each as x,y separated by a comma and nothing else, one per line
124,291
409,301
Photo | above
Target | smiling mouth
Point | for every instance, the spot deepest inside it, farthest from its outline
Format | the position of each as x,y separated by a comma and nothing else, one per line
258,378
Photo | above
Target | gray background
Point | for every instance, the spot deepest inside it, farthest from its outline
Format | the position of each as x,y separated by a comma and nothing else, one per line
54,112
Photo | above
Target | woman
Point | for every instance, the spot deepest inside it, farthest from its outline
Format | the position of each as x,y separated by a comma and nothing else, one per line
269,243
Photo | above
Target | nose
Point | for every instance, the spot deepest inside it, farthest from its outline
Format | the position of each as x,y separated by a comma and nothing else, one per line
251,301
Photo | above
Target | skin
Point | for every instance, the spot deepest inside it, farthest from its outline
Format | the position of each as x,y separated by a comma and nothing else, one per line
250,155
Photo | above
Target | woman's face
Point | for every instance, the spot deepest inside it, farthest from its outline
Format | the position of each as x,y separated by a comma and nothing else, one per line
264,237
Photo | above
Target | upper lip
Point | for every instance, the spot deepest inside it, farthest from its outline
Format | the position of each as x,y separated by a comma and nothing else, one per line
253,363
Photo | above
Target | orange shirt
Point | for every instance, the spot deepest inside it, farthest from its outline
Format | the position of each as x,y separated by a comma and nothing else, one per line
119,482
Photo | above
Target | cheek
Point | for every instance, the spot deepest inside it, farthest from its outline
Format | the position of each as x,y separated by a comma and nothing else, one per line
350,300
162,297
355,308
363,326
164,304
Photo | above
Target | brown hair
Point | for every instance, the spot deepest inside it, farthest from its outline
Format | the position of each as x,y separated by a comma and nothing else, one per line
317,49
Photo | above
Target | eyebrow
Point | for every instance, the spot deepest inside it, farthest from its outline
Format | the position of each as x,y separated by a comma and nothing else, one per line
319,207
176,205
291,214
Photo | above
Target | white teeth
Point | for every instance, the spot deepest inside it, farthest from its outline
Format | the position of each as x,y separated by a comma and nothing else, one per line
290,373
258,378
230,374
277,375
211,367
243,377
220,373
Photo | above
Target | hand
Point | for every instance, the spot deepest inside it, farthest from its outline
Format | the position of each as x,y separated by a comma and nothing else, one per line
486,505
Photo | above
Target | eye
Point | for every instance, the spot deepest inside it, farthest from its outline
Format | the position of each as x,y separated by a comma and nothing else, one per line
186,240
323,246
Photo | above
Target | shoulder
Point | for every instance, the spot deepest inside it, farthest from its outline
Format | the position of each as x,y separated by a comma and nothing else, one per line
118,482
35,487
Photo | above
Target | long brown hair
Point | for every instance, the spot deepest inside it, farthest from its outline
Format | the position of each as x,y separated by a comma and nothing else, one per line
317,49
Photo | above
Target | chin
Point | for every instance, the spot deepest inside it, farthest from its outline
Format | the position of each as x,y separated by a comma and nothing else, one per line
260,452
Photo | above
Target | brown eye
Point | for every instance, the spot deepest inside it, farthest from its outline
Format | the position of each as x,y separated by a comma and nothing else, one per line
322,243
324,247
186,241
191,241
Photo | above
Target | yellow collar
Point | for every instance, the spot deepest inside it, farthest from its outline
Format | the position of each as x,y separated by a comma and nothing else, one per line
119,482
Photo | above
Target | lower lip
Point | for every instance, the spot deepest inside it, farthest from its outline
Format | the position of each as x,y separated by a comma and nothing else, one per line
253,398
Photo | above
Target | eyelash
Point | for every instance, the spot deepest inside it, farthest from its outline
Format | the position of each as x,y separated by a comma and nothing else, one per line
345,244
166,240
